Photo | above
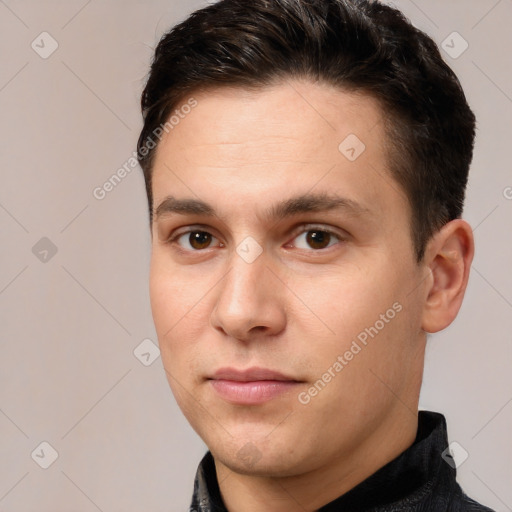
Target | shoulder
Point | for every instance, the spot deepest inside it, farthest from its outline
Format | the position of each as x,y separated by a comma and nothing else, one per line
460,502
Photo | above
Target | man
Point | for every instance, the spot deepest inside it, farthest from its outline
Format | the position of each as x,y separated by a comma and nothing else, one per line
305,165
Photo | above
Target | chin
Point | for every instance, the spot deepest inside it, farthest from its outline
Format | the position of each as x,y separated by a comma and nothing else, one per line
257,464
266,457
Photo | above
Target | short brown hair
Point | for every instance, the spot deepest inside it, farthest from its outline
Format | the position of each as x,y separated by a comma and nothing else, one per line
357,45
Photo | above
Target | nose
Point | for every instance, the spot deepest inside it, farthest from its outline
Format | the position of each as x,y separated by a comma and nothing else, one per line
249,301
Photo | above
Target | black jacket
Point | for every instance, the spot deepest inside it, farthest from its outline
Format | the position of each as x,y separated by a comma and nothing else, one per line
418,480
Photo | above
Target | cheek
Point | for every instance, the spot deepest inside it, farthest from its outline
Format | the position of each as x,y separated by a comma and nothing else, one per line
365,313
348,300
164,292
173,293
178,313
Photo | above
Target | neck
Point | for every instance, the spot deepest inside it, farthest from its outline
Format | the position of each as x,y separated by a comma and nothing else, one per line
312,490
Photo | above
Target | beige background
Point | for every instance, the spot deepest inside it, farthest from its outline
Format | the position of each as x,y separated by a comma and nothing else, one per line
70,323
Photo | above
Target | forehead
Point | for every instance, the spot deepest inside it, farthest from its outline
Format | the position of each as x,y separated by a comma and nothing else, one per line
253,147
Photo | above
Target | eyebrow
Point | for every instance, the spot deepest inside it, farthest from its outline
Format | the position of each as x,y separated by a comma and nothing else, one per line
288,208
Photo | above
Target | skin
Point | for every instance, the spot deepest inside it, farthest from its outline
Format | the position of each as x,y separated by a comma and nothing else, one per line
298,305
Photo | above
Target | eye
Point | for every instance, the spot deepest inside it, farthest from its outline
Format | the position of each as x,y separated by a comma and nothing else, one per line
195,240
316,238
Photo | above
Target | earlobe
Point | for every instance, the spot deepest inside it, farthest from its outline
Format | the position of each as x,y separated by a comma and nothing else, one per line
449,255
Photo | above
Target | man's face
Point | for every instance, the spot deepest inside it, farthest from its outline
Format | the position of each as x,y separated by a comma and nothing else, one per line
300,258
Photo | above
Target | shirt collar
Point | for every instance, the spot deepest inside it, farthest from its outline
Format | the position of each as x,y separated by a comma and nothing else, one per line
418,474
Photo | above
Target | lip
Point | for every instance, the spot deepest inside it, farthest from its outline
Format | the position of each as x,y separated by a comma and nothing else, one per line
251,386
250,374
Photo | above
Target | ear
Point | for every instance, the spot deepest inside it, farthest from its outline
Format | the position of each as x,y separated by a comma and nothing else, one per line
448,256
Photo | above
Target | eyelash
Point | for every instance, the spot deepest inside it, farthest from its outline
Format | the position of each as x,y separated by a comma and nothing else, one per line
305,229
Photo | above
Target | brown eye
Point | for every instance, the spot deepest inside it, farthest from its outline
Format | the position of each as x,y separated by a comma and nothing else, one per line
318,239
199,239
195,240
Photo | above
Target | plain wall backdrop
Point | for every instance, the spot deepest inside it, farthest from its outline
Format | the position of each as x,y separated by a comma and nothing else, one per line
74,268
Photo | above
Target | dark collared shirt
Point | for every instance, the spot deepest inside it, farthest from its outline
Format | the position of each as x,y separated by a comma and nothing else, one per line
421,479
